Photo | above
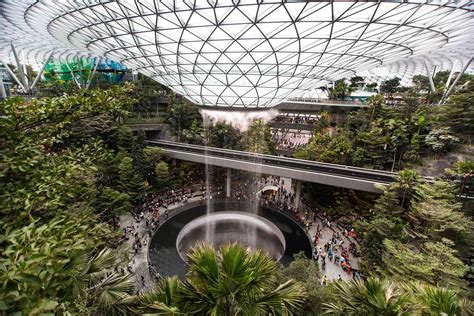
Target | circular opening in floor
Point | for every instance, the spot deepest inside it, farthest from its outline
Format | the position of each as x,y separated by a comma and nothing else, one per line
250,230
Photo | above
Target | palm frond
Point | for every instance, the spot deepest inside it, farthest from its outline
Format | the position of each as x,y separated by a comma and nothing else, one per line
286,299
202,262
113,293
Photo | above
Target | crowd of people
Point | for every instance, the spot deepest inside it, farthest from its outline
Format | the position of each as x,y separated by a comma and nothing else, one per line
278,195
335,251
297,119
290,141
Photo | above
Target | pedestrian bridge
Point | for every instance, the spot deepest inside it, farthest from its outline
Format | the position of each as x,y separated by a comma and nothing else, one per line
304,170
303,105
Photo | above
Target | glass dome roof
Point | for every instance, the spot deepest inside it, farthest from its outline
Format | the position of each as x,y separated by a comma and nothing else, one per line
240,53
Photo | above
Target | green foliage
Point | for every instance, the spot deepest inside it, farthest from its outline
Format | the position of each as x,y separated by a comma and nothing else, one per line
227,281
58,165
440,139
112,203
432,262
394,138
162,299
414,240
162,173
372,297
306,271
258,138
462,173
440,301
341,89
406,181
458,112
383,297
131,181
194,134
390,85
45,267
325,148
437,213
181,115
223,135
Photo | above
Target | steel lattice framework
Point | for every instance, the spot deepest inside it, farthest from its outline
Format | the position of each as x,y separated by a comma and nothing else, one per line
241,53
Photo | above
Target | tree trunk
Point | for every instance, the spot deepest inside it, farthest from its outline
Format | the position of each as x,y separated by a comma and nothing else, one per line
394,159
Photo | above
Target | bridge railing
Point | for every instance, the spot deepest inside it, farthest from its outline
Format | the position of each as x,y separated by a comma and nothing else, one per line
325,101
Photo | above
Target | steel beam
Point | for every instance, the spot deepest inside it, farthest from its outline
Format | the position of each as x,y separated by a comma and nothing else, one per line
15,77
451,73
430,78
38,76
457,79
72,74
89,80
79,67
3,93
20,69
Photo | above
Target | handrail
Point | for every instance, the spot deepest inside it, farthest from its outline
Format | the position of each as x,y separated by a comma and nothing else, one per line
271,157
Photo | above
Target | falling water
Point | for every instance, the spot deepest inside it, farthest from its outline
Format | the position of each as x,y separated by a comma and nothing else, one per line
209,225
240,120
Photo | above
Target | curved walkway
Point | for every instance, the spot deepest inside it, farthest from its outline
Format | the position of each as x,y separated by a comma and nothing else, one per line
138,259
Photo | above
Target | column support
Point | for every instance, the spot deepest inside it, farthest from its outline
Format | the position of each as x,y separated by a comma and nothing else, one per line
20,69
430,78
72,74
38,76
15,77
446,95
3,93
451,73
297,194
89,80
229,183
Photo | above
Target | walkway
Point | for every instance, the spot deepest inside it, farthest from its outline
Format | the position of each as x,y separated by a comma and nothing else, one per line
138,263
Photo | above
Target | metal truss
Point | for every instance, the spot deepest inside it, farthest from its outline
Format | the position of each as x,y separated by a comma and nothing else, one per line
241,53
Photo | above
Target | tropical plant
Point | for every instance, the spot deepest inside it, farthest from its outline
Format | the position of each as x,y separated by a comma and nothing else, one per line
341,89
163,299
435,211
462,172
433,262
162,173
440,139
440,301
390,86
61,265
388,298
257,138
406,181
306,271
372,297
228,281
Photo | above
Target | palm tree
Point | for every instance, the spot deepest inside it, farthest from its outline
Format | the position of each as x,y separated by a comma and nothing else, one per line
108,292
440,301
163,299
370,297
229,281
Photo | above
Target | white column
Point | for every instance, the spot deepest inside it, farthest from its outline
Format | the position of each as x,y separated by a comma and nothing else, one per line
298,194
229,183
3,93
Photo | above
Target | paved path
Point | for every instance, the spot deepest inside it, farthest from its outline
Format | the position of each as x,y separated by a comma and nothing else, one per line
139,261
